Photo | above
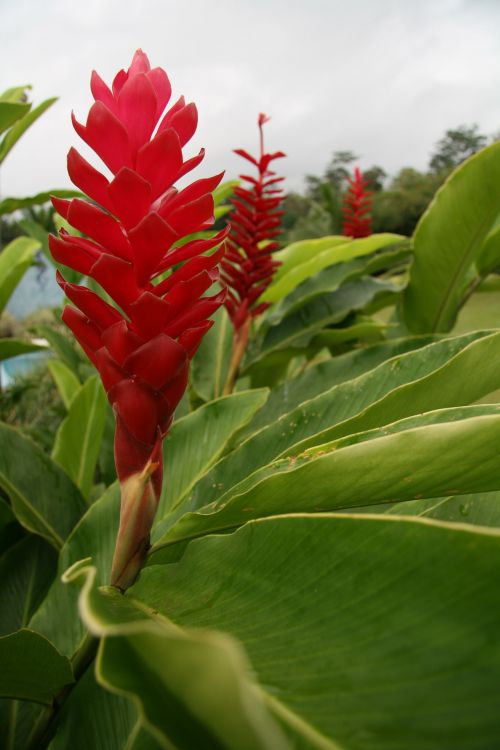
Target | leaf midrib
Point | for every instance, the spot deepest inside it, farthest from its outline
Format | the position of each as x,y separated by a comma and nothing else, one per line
12,491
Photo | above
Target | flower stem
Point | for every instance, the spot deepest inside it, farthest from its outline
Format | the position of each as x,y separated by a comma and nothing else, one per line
240,340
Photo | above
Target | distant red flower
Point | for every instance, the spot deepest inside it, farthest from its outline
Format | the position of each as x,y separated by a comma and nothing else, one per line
357,207
142,346
248,267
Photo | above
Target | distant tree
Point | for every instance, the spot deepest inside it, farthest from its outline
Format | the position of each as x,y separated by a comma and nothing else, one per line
399,208
337,172
376,177
295,207
456,146
317,223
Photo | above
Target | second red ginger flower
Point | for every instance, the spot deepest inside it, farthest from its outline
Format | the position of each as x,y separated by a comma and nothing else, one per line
248,267
141,347
356,207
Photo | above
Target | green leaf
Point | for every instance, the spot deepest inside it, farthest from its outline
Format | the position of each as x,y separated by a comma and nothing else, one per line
210,364
15,259
297,329
480,509
148,658
10,531
448,240
319,257
318,378
449,458
93,717
220,211
79,436
441,388
9,205
43,498
15,347
362,328
15,94
329,280
34,229
489,257
11,112
224,191
365,633
196,441
32,669
62,345
26,572
22,125
94,536
303,251
65,379
425,379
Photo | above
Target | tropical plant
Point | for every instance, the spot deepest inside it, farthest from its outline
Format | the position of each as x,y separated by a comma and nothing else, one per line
323,563
356,207
16,117
248,265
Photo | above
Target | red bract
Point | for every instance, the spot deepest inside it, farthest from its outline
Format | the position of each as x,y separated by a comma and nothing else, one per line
357,207
248,267
131,247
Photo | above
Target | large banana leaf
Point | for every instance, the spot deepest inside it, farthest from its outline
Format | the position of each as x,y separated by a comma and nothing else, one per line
425,379
448,241
366,633
317,257
152,660
382,466
297,329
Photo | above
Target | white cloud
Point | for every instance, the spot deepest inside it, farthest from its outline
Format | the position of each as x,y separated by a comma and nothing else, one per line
384,78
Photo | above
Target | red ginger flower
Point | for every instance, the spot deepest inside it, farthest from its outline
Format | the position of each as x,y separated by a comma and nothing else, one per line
143,346
356,208
247,267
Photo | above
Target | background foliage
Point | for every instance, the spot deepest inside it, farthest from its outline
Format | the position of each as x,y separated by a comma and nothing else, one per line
324,561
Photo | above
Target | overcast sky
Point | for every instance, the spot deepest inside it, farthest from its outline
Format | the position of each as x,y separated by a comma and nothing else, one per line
383,78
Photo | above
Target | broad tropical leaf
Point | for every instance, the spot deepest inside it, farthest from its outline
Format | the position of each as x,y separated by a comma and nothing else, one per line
15,259
153,661
27,569
16,347
298,328
65,379
425,379
32,669
390,466
196,441
318,257
22,125
78,439
365,633
9,205
44,499
93,537
448,241
209,367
